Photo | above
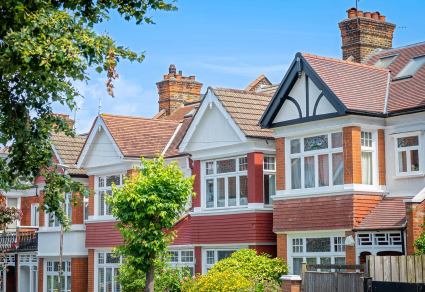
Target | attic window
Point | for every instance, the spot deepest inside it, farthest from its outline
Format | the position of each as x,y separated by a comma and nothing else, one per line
386,61
411,68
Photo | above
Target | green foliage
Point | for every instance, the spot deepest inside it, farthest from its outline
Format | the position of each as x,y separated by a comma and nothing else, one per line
7,214
245,269
45,47
420,243
149,203
167,278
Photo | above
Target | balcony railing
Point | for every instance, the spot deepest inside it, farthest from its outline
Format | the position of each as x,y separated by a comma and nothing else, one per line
24,239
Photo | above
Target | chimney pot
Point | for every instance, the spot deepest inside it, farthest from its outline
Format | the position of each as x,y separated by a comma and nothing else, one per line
352,12
382,18
359,13
375,15
172,69
368,14
180,72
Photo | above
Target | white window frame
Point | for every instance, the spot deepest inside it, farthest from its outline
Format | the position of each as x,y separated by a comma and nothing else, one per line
332,254
35,215
86,208
214,176
408,149
205,265
105,265
51,220
315,153
49,271
31,261
98,189
268,171
372,149
179,263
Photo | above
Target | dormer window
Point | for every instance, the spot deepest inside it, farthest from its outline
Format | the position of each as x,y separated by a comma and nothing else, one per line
411,68
386,61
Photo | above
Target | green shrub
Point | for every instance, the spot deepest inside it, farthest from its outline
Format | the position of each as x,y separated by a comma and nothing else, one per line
219,282
167,278
420,243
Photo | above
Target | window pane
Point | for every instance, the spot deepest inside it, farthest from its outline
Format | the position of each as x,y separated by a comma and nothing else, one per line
210,193
309,177
231,190
316,143
113,179
311,261
295,146
210,257
112,259
209,167
296,268
414,160
318,244
410,69
101,258
243,163
336,140
338,168
367,174
339,244
187,256
221,192
228,165
222,254
402,161
323,170
101,182
296,173
269,187
243,190
339,260
108,279
174,256
366,139
269,163
408,141
325,261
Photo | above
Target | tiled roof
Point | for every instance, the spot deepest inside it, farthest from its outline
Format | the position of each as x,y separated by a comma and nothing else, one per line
259,82
181,112
137,136
390,213
269,90
246,109
173,149
406,93
360,87
68,149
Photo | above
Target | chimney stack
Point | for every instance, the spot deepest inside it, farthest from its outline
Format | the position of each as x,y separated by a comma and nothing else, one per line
364,32
175,90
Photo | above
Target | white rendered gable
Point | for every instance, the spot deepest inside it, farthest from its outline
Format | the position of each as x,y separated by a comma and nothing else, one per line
304,100
212,127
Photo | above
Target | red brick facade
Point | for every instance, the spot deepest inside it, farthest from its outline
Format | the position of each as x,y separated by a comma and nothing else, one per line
255,177
352,155
40,274
91,195
280,163
79,269
90,270
26,203
381,157
196,171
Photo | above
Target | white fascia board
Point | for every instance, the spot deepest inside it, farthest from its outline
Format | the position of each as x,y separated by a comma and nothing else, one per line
329,125
242,148
209,98
57,154
418,198
112,168
172,138
100,125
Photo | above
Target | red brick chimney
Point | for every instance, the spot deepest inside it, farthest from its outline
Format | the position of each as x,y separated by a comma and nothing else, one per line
362,33
175,90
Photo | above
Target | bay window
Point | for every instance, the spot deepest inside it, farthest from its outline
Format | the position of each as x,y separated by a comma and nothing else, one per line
226,183
212,256
52,276
316,161
107,272
367,158
104,189
408,154
183,258
316,250
269,174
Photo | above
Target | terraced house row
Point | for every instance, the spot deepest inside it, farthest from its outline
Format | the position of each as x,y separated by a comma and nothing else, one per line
327,166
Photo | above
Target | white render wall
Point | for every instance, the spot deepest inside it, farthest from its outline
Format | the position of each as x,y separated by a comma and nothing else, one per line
73,241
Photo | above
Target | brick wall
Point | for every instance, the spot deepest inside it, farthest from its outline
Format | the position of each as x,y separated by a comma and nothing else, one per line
26,203
282,249
40,274
41,213
280,163
90,270
255,177
91,195
198,260
196,171
350,251
415,213
362,35
78,210
352,155
79,269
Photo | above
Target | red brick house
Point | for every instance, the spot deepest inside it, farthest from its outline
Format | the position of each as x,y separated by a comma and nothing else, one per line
350,149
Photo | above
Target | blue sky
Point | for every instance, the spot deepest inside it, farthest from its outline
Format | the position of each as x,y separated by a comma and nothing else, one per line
228,44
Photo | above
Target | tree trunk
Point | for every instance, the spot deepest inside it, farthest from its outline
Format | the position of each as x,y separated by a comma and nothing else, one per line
150,278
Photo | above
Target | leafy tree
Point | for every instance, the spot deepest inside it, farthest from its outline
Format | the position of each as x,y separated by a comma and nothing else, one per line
45,47
7,214
420,243
244,270
146,206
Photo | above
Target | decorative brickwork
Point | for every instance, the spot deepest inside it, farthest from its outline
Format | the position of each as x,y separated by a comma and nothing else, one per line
415,213
255,177
363,33
79,274
352,155
175,90
280,163
381,157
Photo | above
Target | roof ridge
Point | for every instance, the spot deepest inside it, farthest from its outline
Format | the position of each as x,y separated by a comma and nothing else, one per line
371,67
240,91
403,47
141,118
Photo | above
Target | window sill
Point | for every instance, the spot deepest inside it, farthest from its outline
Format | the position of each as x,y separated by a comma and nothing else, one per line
409,175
